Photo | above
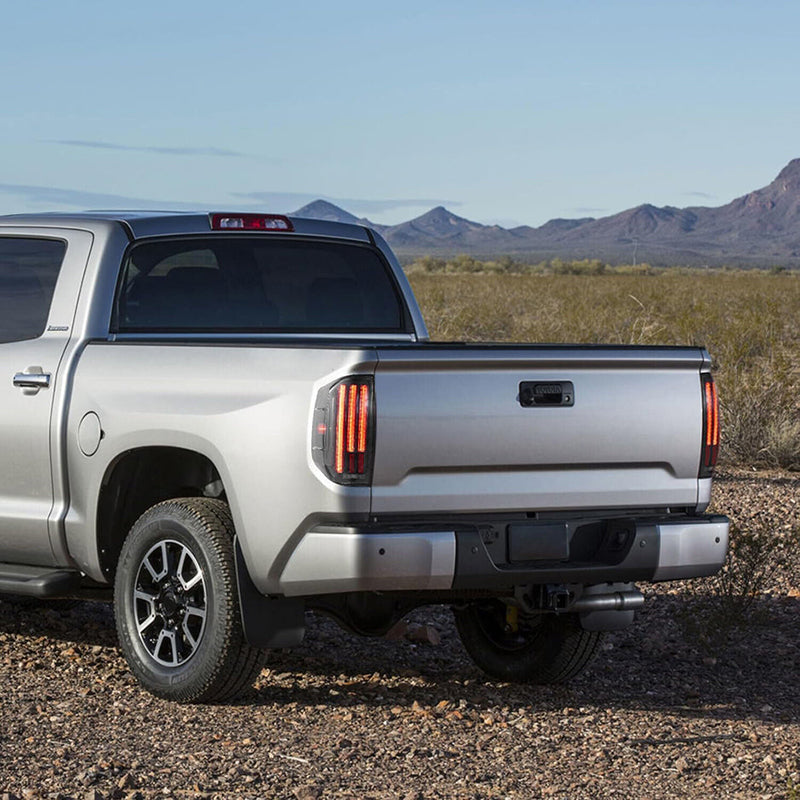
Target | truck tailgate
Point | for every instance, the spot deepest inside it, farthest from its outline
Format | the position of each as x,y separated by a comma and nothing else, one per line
453,436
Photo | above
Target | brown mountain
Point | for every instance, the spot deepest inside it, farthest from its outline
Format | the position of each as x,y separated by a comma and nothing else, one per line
761,228
440,228
765,222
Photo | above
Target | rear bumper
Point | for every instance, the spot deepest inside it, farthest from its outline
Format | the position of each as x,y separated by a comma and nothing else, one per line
337,558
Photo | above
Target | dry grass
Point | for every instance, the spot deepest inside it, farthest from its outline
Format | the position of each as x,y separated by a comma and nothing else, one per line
748,320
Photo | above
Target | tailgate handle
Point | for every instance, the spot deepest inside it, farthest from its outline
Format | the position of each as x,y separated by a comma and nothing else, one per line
546,393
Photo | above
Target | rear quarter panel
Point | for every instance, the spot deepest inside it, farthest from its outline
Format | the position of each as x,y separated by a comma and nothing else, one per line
248,409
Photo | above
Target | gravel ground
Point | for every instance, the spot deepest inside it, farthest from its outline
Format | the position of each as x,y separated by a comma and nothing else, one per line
342,717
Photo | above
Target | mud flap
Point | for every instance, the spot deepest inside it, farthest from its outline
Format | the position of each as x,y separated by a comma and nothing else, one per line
268,623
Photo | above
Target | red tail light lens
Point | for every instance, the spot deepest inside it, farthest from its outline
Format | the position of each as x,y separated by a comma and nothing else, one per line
341,406
251,222
710,449
344,430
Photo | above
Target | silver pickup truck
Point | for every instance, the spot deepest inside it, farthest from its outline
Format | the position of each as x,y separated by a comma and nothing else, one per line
229,419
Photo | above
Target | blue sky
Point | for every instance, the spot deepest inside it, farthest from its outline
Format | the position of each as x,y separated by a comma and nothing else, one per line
509,112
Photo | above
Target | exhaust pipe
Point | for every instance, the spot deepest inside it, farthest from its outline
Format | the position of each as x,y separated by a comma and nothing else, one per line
630,600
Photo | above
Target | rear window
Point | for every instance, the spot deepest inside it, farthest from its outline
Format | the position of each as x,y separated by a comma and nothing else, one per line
252,284
28,272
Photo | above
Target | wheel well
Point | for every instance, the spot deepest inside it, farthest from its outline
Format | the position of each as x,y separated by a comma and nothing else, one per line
141,478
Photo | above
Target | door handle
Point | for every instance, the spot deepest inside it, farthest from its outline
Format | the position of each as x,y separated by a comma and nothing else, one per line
33,380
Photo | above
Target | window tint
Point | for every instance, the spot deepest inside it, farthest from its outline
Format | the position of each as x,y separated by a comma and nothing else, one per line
28,272
256,284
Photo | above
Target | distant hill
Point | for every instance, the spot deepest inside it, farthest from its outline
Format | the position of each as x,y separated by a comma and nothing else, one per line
322,209
441,228
761,228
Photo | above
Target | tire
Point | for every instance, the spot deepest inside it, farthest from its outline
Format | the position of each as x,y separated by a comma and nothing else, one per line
537,649
177,606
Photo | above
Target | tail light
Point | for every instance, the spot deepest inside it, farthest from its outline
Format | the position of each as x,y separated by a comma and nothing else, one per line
344,430
710,449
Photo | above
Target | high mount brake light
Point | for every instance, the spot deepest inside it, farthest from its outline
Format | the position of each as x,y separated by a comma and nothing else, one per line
710,449
251,222
344,430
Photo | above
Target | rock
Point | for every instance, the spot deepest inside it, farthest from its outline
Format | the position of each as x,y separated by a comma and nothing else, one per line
126,782
88,777
344,744
423,634
397,632
308,792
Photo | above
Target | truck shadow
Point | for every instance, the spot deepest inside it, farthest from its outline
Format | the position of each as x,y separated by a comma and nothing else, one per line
650,667
76,622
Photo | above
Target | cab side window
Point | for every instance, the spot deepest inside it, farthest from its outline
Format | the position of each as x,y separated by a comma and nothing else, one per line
28,272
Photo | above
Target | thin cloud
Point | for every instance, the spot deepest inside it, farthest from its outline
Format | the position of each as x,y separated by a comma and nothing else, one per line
703,195
75,198
215,152
285,202
293,200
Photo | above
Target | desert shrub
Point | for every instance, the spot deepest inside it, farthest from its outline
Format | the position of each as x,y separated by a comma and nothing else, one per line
761,420
635,269
724,608
782,439
586,266
426,264
464,263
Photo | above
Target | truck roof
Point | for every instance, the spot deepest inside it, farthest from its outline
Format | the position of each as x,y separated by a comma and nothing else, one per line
145,223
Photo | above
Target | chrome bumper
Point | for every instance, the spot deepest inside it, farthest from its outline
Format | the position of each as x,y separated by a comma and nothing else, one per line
346,560
690,551
338,559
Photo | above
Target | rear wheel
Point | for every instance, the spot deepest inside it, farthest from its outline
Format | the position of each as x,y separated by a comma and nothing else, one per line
525,649
177,606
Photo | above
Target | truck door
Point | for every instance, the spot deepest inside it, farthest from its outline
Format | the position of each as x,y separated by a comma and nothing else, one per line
37,308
